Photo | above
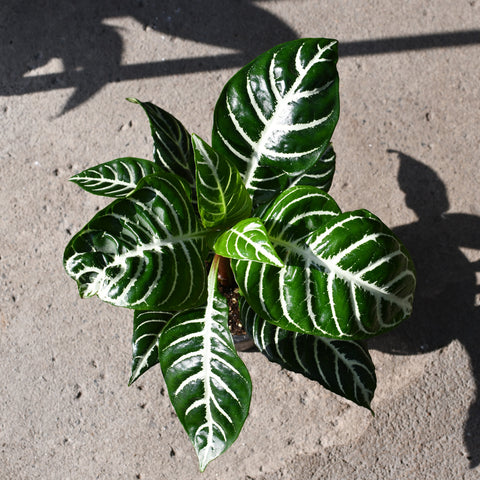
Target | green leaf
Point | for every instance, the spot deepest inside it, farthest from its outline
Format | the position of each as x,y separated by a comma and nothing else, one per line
222,198
147,327
116,178
172,149
345,275
321,174
145,251
278,113
298,211
342,366
208,384
247,240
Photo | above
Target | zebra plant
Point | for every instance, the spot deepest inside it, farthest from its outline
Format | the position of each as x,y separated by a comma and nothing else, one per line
313,281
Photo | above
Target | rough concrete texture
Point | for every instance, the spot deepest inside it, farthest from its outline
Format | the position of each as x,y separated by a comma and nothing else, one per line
407,148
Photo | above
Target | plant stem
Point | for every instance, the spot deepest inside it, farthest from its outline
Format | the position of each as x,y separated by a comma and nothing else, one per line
225,274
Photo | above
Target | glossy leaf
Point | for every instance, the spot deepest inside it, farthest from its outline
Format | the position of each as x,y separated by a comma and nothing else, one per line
342,366
345,275
147,327
145,251
222,198
207,382
172,149
320,174
298,211
116,178
247,240
278,113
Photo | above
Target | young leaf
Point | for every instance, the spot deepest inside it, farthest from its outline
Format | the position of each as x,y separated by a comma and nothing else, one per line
247,240
342,366
222,198
348,277
144,252
172,149
278,113
116,178
207,382
147,327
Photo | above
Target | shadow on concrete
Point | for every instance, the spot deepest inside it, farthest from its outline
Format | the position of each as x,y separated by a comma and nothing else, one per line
34,33
412,43
90,50
444,308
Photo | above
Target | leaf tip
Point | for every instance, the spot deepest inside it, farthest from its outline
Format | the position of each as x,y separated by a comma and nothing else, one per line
204,459
77,180
197,143
133,100
277,262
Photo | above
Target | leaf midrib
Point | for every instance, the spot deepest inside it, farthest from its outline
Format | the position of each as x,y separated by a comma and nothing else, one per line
305,252
259,145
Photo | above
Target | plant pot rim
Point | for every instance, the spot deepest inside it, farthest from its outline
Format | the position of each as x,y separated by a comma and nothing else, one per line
243,343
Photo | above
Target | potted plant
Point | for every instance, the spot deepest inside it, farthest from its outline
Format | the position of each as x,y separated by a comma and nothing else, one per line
314,281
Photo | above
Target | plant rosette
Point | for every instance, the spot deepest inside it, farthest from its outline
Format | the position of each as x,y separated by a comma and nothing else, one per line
314,281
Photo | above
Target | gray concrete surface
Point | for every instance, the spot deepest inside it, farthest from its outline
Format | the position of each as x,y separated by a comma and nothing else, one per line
409,83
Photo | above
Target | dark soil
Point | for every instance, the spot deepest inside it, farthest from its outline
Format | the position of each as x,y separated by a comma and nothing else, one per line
234,322
229,289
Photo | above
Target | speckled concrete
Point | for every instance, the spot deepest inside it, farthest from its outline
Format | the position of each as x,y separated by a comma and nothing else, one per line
407,148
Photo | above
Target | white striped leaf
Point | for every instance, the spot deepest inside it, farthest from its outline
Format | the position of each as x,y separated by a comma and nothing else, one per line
320,174
172,149
272,182
247,240
348,277
116,178
342,366
208,384
298,211
145,251
278,113
147,327
222,197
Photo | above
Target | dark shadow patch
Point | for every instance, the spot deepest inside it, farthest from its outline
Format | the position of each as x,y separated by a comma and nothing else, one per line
444,308
34,33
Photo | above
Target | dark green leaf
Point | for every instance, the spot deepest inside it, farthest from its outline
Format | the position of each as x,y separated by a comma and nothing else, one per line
342,366
172,149
145,251
147,327
278,113
207,382
320,174
345,275
116,178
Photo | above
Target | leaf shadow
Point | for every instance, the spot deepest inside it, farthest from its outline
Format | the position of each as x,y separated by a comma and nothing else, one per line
89,50
444,308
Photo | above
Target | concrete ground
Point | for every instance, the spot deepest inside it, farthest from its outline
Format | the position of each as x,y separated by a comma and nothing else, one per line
408,149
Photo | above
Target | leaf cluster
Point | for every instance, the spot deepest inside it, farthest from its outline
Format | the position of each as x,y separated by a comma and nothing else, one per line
314,281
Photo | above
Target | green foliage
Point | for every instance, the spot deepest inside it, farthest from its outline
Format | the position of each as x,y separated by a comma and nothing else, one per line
313,280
